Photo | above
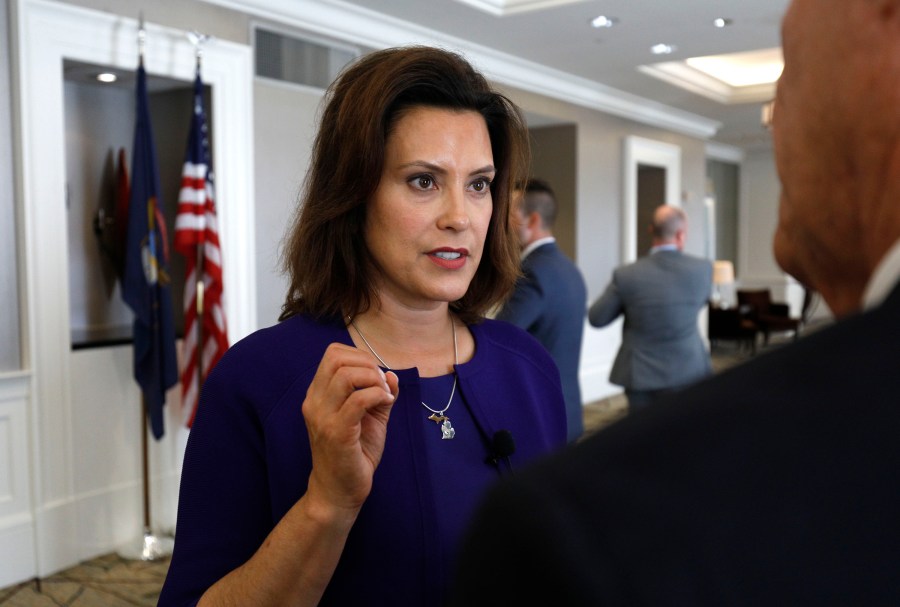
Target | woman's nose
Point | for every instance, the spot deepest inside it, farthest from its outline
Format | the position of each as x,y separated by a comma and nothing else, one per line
455,215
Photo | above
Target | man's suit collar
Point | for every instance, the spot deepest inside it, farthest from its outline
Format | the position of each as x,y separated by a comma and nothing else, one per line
536,245
664,247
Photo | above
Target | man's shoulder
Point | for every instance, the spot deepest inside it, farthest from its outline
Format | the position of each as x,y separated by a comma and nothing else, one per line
671,261
637,267
547,252
550,260
700,262
506,336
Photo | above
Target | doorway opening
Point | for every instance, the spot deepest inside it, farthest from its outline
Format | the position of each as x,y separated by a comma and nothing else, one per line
651,192
661,166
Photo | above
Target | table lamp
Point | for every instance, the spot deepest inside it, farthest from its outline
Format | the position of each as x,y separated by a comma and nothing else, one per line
723,274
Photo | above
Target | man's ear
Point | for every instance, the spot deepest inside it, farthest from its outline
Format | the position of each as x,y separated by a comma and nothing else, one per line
533,221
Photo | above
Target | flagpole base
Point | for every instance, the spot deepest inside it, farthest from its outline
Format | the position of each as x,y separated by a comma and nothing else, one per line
149,547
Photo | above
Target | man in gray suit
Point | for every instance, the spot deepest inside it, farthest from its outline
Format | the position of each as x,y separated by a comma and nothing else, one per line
660,295
549,298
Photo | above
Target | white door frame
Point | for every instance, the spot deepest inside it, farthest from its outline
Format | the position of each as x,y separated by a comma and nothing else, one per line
641,151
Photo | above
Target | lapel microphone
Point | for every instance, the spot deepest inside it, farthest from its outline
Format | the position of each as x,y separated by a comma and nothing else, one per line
502,446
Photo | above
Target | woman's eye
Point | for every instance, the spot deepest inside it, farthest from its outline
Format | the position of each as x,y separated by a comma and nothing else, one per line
480,185
423,182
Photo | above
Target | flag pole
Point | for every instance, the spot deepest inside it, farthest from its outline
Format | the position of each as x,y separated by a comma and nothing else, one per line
145,466
152,547
149,547
142,38
198,39
198,351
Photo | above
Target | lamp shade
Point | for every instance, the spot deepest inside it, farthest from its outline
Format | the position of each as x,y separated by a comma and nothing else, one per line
723,272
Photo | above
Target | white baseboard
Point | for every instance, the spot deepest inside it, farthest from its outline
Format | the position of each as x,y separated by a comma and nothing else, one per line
100,522
17,554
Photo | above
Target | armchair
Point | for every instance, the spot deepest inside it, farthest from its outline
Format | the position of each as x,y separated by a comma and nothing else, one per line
770,317
731,324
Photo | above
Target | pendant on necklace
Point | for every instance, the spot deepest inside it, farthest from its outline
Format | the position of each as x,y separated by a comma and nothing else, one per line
438,417
447,431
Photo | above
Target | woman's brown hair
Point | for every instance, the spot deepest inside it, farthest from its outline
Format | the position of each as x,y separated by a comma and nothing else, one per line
325,253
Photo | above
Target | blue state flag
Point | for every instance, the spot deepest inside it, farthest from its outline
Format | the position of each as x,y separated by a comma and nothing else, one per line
145,283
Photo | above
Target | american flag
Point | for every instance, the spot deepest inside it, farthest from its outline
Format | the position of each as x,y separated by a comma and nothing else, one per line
197,238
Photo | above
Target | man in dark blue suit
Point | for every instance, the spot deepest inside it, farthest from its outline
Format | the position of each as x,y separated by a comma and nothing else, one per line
549,300
775,482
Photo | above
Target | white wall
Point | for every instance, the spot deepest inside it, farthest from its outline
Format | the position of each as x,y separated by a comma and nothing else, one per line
284,127
106,453
758,217
758,212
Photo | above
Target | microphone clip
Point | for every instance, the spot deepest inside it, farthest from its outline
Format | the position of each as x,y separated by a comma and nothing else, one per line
502,446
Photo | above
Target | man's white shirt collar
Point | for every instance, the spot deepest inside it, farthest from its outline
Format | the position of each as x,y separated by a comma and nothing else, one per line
537,243
663,247
884,279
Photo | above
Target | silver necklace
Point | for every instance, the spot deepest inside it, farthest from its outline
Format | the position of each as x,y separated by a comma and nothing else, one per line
438,417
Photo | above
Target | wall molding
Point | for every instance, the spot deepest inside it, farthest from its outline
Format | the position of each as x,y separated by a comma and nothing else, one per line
14,385
17,545
16,550
724,153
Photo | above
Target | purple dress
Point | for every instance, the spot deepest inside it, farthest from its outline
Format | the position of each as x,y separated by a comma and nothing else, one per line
248,461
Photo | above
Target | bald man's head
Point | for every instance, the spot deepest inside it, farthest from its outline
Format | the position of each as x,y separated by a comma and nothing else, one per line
669,225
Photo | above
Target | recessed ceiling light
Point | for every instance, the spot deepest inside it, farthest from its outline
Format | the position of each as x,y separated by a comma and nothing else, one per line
663,49
741,69
505,8
604,21
722,22
107,77
746,77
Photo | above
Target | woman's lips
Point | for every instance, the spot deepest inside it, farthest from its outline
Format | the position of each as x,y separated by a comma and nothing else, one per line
452,259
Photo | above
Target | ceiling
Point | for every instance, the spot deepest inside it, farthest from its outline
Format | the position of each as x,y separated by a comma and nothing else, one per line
549,47
557,34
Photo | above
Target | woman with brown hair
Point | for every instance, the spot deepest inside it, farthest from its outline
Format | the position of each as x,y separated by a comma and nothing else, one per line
335,457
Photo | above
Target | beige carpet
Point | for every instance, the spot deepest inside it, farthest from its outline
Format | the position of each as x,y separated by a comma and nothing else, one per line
106,581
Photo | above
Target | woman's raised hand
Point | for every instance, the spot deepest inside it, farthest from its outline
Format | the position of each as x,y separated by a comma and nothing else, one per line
346,410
